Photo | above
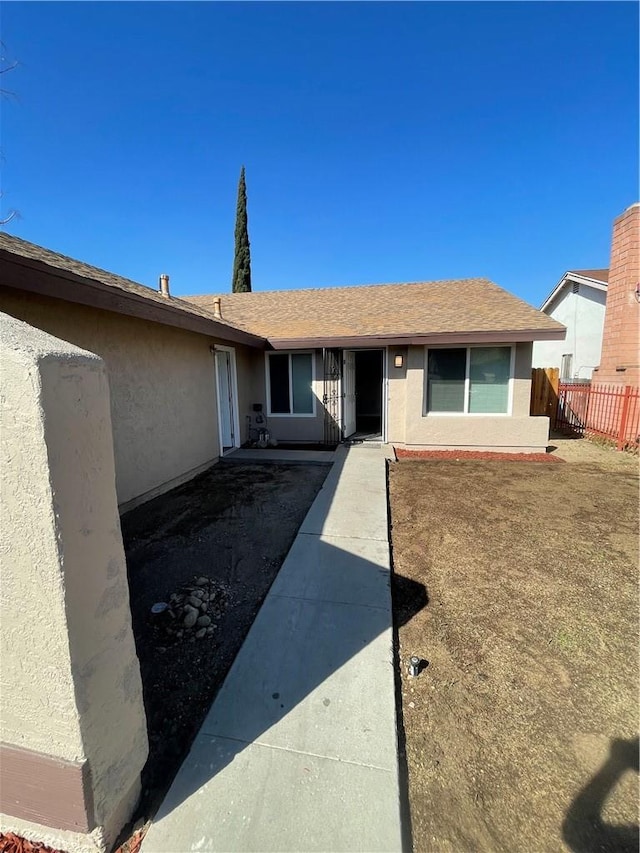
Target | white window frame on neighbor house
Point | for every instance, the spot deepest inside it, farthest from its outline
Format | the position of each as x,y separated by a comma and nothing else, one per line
289,353
467,383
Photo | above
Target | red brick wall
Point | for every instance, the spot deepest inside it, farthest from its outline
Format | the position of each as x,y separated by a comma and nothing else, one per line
620,359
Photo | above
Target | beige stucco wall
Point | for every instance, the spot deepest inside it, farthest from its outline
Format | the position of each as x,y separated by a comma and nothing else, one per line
514,432
397,396
289,428
162,382
406,423
70,679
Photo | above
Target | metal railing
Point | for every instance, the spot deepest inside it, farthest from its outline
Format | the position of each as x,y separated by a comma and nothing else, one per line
611,412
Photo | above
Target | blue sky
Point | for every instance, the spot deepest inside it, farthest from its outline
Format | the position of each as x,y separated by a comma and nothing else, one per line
382,141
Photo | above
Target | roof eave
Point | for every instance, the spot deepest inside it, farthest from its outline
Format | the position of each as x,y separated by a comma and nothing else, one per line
571,276
33,276
420,339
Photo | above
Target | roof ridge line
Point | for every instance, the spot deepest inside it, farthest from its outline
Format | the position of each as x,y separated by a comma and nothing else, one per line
332,288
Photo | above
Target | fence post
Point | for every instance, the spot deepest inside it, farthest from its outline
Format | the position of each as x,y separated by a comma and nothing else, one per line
552,405
622,431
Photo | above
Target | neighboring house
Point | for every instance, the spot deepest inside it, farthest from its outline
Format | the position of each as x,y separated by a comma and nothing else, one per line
441,364
578,302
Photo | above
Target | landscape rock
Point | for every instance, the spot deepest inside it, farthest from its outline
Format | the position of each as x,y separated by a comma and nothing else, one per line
192,609
190,619
201,633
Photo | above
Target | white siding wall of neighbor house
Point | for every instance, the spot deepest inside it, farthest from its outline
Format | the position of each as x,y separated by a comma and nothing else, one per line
583,315
162,382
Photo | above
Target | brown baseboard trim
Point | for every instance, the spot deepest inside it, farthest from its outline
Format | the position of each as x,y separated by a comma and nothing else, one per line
45,790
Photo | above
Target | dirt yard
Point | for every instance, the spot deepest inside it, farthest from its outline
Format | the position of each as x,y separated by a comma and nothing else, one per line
217,542
521,731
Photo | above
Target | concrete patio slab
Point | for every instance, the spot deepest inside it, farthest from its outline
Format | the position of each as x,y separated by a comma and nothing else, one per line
227,800
310,697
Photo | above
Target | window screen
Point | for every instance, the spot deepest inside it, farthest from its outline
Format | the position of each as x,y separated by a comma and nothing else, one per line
445,386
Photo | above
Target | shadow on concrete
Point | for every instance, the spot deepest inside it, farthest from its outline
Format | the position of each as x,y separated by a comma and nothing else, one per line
584,830
262,699
234,524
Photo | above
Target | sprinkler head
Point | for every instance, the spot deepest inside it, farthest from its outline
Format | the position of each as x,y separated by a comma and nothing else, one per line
414,665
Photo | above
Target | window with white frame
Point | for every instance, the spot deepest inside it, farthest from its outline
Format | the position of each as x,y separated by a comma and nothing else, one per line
290,378
468,380
566,366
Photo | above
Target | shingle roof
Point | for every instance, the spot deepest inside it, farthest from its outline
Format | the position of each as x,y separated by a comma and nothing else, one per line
599,275
382,310
30,252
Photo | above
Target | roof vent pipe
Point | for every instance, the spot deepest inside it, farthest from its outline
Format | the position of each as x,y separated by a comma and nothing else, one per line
217,311
164,285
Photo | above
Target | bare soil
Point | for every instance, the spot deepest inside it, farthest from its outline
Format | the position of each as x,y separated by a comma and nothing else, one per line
521,728
232,525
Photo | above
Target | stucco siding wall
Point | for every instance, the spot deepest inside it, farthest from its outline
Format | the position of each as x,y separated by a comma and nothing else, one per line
290,428
583,315
70,678
396,396
162,383
247,361
516,431
37,712
521,401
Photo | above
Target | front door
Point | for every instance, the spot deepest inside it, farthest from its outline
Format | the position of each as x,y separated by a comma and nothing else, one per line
226,404
349,391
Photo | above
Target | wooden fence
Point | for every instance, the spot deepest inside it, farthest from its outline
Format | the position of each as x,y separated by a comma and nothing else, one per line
544,391
611,412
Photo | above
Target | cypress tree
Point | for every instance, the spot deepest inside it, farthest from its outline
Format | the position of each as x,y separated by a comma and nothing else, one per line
241,281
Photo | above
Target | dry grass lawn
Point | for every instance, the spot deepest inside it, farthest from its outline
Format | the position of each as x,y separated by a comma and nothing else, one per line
521,731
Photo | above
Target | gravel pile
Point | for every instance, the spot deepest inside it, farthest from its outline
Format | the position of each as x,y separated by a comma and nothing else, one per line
193,611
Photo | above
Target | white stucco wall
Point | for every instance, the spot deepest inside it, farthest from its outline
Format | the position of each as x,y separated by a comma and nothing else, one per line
162,382
70,679
583,315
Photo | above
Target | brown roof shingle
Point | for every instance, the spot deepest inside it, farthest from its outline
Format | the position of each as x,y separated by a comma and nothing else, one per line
390,311
598,275
122,292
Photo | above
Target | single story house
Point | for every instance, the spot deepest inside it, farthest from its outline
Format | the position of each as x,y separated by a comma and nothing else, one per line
442,364
578,301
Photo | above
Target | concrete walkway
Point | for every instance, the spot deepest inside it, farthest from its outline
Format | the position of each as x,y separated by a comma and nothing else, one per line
299,750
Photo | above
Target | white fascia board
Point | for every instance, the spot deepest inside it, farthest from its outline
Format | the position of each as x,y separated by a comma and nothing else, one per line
571,277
